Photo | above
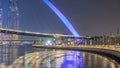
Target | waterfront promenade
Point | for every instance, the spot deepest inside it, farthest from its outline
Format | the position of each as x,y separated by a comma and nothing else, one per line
111,51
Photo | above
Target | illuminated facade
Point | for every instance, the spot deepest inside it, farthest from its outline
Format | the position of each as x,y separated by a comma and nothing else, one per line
65,21
13,18
1,19
1,13
1,16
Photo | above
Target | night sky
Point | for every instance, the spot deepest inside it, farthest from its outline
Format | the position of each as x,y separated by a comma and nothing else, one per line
89,17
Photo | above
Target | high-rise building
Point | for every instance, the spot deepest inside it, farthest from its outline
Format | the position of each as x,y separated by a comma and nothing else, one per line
1,16
13,18
1,19
1,12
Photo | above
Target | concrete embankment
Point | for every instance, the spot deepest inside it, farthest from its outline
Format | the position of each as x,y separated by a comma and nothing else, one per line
115,55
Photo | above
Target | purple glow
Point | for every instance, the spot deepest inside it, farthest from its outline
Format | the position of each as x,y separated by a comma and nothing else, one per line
72,60
62,17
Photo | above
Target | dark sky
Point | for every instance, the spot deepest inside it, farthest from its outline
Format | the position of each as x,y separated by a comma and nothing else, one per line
89,17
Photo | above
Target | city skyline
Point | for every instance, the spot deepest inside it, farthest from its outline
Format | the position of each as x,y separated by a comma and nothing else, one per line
88,17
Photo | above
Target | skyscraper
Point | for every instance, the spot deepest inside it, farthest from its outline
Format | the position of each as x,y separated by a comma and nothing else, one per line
1,19
1,12
13,18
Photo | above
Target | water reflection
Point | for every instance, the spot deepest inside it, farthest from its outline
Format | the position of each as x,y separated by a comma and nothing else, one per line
72,60
27,56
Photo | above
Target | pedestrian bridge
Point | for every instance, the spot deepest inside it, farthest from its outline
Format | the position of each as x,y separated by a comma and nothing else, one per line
112,51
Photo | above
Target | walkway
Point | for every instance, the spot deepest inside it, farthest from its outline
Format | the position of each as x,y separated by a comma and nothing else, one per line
106,50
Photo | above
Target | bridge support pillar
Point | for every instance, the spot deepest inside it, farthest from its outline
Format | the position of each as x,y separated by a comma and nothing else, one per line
91,42
85,42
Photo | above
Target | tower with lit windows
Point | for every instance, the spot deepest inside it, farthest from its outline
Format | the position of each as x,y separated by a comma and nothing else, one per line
13,18
1,13
1,19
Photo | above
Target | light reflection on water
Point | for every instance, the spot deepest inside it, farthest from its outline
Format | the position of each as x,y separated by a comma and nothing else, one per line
28,57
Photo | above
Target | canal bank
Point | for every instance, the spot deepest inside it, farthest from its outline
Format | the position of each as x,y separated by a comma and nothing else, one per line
115,55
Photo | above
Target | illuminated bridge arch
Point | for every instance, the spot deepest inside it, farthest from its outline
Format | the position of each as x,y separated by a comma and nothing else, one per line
64,20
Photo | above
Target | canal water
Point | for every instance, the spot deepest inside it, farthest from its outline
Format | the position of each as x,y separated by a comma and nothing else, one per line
26,56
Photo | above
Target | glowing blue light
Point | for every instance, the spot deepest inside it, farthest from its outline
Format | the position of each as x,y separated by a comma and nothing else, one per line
62,17
79,41
72,60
